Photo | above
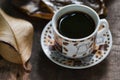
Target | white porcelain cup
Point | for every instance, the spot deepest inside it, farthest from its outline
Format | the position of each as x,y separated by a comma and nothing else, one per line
77,48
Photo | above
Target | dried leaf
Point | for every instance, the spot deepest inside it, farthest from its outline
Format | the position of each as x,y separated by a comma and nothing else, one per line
15,38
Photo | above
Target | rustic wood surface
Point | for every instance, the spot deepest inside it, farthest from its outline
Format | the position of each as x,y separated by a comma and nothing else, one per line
44,69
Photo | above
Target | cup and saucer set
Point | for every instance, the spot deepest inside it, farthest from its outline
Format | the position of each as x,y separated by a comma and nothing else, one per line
76,53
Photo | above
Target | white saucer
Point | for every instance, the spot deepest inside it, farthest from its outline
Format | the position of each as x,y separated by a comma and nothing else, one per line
103,46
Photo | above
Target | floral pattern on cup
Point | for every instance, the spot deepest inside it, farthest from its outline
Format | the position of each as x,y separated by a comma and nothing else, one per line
78,49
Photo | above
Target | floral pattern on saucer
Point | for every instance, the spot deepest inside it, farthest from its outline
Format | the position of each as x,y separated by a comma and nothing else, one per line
102,49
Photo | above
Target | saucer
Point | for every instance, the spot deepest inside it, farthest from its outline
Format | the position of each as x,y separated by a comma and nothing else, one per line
102,49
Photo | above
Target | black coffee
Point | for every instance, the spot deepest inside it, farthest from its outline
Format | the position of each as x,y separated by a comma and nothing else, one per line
76,25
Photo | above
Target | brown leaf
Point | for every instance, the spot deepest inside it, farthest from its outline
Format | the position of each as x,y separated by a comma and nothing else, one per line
49,36
74,55
65,49
15,38
75,44
65,43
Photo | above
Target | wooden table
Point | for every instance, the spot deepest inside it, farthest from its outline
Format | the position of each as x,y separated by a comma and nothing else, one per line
44,69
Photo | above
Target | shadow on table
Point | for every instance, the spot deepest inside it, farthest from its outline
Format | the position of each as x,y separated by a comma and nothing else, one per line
44,69
93,73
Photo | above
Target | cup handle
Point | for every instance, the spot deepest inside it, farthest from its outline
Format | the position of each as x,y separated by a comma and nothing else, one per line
103,22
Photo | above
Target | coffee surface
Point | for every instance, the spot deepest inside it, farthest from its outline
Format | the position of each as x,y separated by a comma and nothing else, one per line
76,25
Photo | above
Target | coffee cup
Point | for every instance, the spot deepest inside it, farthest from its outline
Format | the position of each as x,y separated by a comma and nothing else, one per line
75,28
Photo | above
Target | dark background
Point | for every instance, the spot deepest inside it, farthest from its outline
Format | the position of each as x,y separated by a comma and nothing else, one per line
44,69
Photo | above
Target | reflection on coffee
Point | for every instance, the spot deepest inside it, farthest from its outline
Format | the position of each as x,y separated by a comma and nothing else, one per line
76,25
